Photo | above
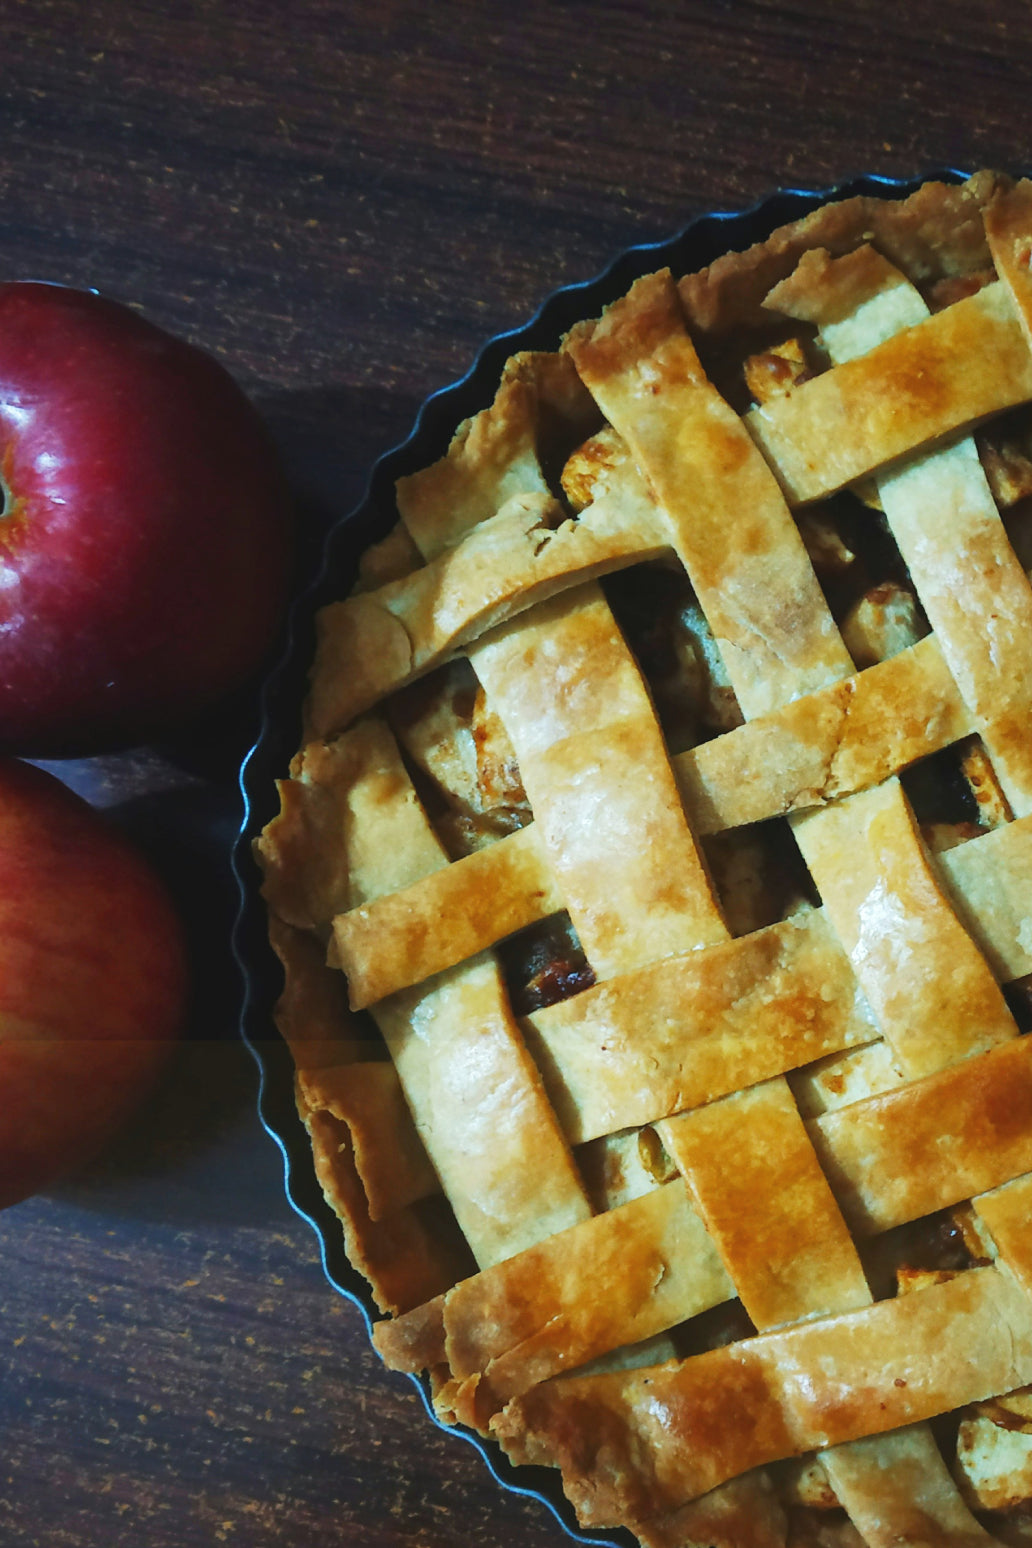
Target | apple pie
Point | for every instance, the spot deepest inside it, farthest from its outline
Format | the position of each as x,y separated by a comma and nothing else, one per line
653,889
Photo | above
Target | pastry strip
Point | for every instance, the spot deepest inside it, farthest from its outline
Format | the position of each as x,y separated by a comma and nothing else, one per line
987,880
476,1097
760,595
686,1030
808,752
481,1110
376,641
409,1257
1007,1211
399,940
977,598
971,584
349,826
918,1148
759,1188
946,374
1008,227
931,989
312,1013
854,733
745,1510
596,772
896,1489
494,455
618,1278
636,1444
389,1157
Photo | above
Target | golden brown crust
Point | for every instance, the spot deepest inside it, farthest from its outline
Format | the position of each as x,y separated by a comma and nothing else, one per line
492,457
937,232
377,641
987,881
312,1013
391,1163
932,990
481,1110
641,1443
1007,1211
1008,219
397,940
830,743
744,1513
408,1257
897,1488
597,774
496,454
908,1152
414,1341
760,595
614,1280
682,1032
852,1059
305,882
772,1215
983,620
946,374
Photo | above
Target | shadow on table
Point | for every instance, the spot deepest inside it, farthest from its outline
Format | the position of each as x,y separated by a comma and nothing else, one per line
194,1151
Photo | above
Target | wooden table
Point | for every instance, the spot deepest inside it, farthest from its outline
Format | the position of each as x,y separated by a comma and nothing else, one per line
342,201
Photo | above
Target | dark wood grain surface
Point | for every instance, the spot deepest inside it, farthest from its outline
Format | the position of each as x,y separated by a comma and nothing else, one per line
342,201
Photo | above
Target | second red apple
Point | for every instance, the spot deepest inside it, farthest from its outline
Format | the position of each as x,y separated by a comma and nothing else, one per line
93,979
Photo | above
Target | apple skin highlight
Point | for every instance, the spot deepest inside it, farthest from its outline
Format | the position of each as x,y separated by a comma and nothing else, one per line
94,979
145,543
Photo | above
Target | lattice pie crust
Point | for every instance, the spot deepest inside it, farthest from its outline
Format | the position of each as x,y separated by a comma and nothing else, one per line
654,892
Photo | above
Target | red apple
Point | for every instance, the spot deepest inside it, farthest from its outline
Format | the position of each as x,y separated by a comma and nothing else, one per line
144,535
93,979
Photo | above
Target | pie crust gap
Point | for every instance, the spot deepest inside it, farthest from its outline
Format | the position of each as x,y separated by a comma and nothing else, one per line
653,889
